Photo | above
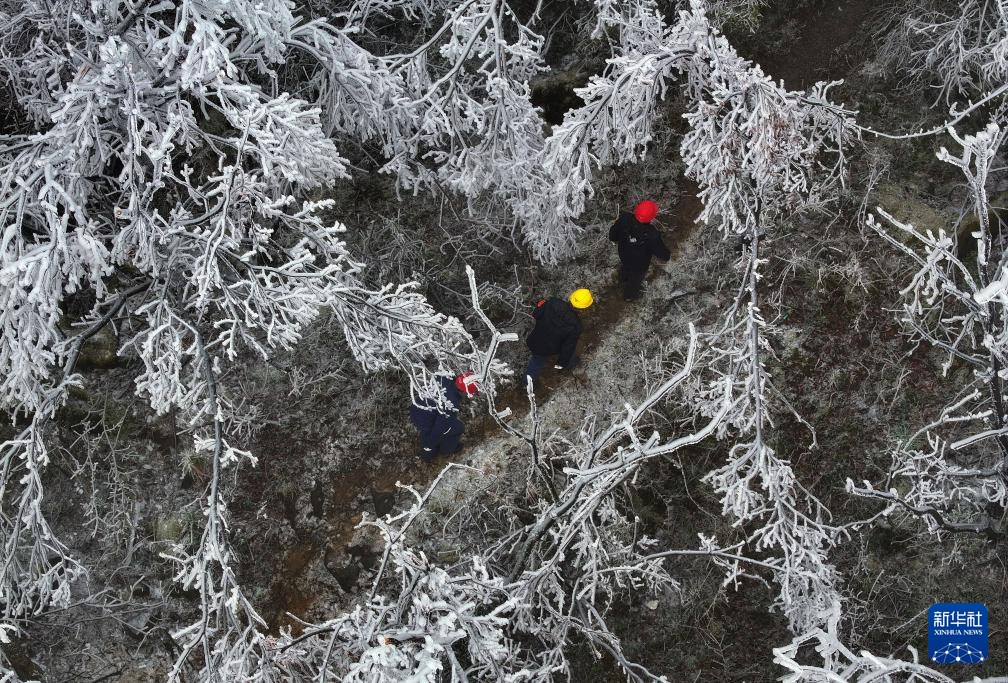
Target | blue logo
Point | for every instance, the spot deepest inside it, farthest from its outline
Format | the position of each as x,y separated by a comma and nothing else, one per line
957,632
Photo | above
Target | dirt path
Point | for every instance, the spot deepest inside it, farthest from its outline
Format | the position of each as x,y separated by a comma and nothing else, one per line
337,549
288,594
826,28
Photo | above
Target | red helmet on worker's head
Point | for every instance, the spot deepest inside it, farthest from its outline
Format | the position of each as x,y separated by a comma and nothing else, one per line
467,389
646,211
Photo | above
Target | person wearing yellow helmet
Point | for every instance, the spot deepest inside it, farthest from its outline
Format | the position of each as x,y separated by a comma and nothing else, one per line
556,332
581,298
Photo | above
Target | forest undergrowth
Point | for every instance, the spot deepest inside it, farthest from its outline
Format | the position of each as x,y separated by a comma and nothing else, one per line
335,452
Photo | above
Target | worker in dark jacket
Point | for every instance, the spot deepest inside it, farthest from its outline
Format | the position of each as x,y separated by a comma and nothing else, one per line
637,241
556,332
440,428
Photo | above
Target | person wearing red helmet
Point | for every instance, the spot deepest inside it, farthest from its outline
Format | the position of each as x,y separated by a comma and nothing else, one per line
637,241
440,428
466,384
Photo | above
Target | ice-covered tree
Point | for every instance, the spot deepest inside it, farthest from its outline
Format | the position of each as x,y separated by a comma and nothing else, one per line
166,175
510,610
952,471
759,153
960,48
163,183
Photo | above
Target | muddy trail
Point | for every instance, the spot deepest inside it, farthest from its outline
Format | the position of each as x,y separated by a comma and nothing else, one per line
343,550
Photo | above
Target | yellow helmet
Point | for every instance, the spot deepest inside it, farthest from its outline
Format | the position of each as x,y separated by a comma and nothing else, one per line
581,298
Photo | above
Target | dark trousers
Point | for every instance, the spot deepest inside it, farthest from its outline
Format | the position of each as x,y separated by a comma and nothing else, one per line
632,282
446,442
536,365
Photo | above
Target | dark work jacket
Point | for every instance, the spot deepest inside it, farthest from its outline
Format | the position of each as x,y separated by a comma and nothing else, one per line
430,422
556,330
637,242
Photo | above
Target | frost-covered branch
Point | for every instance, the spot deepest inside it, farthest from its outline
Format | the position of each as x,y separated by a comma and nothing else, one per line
953,472
512,610
227,634
960,48
841,665
162,170
758,153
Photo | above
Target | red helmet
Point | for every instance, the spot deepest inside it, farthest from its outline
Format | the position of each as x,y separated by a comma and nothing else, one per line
467,389
645,211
